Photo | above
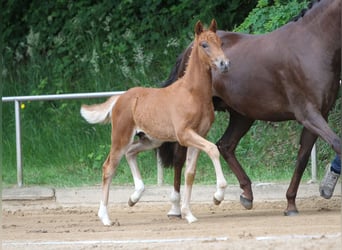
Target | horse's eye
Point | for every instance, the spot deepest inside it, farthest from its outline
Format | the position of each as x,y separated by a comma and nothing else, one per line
204,45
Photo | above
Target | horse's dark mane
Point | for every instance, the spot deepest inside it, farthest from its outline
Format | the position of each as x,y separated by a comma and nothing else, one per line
303,11
174,74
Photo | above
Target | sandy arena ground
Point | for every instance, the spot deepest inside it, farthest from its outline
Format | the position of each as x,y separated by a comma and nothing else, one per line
44,218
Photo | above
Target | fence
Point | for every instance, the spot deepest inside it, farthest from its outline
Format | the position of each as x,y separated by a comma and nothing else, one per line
18,99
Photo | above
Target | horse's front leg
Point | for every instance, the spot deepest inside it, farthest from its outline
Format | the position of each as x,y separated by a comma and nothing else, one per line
190,171
238,127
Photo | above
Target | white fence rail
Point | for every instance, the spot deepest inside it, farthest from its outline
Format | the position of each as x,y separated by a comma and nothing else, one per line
17,102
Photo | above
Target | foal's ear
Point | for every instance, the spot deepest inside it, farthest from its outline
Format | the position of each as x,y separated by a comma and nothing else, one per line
198,28
213,26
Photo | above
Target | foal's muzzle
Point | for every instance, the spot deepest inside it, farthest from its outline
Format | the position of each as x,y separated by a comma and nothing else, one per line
222,64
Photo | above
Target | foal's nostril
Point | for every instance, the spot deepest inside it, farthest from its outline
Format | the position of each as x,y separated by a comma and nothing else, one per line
224,65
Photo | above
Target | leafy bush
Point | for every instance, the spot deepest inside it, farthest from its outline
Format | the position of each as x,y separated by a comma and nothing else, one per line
266,17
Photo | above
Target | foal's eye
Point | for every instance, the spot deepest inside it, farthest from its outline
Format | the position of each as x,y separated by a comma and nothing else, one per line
204,45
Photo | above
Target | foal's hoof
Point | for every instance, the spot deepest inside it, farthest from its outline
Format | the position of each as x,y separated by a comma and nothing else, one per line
131,203
246,203
291,212
216,201
190,218
174,216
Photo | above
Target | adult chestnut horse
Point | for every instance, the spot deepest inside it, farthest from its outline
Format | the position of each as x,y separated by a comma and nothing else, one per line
291,73
182,112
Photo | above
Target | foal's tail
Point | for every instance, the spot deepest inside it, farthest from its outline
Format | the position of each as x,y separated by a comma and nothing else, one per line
99,113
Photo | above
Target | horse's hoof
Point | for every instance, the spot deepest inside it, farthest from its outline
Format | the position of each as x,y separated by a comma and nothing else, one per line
246,203
174,216
291,212
216,201
131,203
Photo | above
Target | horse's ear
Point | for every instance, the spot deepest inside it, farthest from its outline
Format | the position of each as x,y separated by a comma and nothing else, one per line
198,28
213,26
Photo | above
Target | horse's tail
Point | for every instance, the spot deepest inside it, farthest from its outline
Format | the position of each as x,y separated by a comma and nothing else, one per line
166,153
99,113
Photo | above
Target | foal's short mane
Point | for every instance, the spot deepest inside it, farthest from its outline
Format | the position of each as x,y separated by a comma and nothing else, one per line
303,11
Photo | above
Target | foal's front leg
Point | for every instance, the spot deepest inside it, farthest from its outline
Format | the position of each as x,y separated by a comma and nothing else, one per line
190,171
212,151
178,161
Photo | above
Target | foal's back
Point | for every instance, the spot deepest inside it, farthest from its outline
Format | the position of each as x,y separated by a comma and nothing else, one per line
161,112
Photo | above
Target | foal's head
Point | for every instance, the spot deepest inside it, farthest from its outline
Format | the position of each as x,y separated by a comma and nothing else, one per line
210,46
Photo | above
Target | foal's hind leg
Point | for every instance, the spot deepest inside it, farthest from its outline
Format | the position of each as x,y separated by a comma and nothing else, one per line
122,135
142,144
109,168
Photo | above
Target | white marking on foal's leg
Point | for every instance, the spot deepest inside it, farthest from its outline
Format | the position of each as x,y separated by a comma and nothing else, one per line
139,189
103,215
175,210
219,194
186,214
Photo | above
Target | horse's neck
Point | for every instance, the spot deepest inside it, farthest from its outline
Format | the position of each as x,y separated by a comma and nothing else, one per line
324,20
197,77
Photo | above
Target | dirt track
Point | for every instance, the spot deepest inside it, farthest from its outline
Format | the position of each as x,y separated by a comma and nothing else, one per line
44,224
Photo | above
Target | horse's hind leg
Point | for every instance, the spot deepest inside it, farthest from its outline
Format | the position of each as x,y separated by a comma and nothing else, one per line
307,141
315,122
238,127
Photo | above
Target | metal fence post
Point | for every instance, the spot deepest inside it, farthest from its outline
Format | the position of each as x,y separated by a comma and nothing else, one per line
18,143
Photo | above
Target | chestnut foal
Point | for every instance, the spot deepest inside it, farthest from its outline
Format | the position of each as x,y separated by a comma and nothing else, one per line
182,112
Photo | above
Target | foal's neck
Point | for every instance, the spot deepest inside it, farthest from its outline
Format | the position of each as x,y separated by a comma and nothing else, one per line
197,75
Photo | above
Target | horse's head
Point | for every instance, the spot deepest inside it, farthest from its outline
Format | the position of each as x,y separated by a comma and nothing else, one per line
210,46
